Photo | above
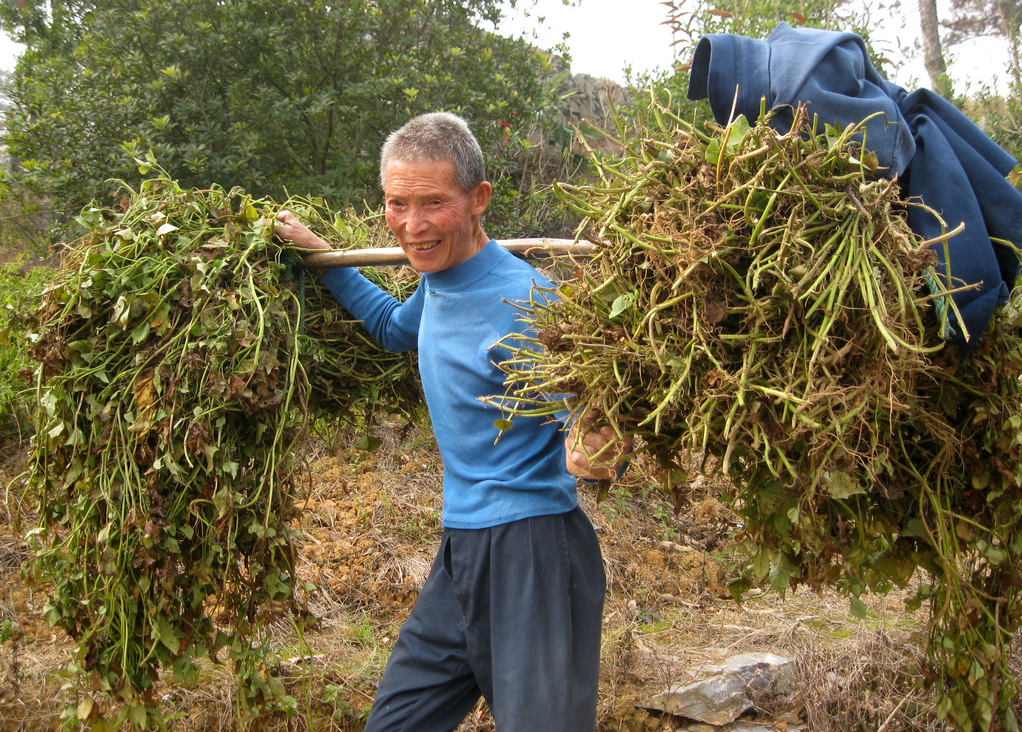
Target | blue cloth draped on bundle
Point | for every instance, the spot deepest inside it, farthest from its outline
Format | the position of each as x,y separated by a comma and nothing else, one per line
936,152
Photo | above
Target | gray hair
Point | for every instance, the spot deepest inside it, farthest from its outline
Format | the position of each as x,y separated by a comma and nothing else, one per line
437,136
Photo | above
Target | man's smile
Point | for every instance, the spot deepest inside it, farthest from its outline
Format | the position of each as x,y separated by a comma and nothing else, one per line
422,246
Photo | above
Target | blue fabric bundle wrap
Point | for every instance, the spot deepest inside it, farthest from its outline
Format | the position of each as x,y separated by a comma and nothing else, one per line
937,154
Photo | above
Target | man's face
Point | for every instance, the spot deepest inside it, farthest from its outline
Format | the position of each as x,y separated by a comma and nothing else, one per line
435,222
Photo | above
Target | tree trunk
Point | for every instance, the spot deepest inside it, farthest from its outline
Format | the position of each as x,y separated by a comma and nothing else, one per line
1008,12
933,55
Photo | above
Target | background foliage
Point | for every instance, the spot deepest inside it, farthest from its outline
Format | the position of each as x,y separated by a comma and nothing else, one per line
271,96
20,285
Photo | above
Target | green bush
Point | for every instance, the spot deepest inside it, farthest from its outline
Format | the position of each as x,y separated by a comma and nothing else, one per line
999,116
20,286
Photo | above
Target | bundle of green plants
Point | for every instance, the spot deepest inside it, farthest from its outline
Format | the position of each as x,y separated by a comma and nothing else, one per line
755,297
963,508
758,307
352,379
182,356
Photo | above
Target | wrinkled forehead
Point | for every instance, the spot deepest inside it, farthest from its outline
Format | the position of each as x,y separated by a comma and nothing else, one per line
423,173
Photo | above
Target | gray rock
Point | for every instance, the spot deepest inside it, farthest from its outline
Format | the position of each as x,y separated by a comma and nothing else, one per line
739,726
763,673
699,727
725,696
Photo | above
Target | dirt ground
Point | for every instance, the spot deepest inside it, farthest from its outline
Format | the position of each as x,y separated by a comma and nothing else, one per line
369,530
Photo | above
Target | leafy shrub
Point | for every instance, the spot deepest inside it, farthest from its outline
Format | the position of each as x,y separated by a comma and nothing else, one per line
20,286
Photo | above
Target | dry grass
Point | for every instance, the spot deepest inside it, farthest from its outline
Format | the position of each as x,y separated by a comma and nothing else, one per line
371,524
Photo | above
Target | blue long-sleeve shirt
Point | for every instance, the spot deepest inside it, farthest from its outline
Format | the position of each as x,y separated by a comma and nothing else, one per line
454,318
938,154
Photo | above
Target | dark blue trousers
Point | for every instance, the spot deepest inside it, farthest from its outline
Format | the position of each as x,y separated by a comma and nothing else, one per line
512,613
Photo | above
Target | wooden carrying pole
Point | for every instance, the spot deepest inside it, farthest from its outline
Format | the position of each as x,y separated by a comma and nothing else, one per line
394,255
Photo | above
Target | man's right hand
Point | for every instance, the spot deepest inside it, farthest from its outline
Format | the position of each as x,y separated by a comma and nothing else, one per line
288,227
594,454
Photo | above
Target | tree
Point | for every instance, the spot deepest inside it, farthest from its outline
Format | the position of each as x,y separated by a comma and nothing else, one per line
996,18
691,19
274,96
997,112
51,26
933,54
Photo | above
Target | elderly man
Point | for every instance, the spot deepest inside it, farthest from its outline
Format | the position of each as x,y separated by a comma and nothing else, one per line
512,606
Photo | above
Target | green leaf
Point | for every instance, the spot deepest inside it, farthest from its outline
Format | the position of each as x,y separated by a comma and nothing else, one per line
136,715
51,615
914,527
841,485
185,670
736,132
757,201
503,424
781,573
122,310
368,443
256,529
85,709
140,332
49,402
621,303
996,555
761,563
857,608
164,632
712,153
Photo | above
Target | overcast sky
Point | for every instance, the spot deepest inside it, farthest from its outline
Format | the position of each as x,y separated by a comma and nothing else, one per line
608,35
